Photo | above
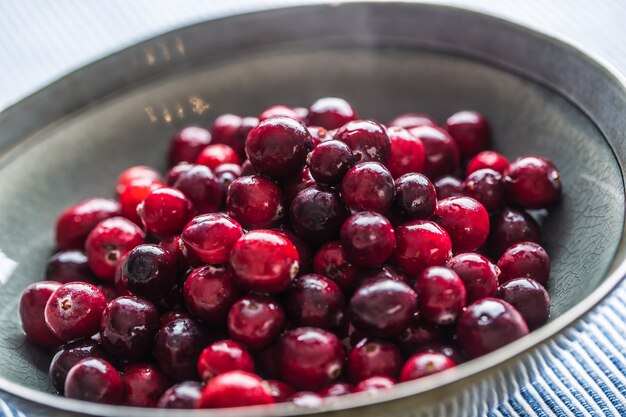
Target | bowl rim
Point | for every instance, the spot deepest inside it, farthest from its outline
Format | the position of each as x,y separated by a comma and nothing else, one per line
404,390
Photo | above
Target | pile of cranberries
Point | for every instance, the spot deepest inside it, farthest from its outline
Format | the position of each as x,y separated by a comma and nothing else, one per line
299,255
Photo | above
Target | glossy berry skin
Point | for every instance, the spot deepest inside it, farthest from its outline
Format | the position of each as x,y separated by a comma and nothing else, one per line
336,390
415,337
316,301
441,152
68,356
529,298
374,383
264,261
486,187
316,214
134,193
75,223
200,185
292,186
172,174
441,295
183,395
210,237
209,293
368,186
306,399
234,389
420,244
512,226
533,182
224,356
383,308
31,309
479,275
415,196
277,147
329,161
330,113
465,220
368,359
487,159
411,120
68,266
149,271
94,380
367,275
367,139
525,260
487,325
318,134
280,391
165,211
470,131
187,144
144,384
255,321
128,327
407,152
309,358
133,173
424,364
331,261
368,238
451,351
217,154
448,186
279,111
232,130
226,174
303,248
74,310
255,202
177,347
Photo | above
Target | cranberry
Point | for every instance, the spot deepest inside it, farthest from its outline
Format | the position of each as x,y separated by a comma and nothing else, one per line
529,298
314,300
479,275
512,226
317,214
368,186
304,251
277,147
210,238
144,384
279,111
134,194
217,154
488,159
465,220
133,173
336,390
232,130
247,169
74,224
424,364
149,271
32,305
309,358
417,336
235,389
173,315
331,260
175,172
68,356
411,120
264,261
420,244
226,174
407,152
525,260
369,359
415,196
255,202
368,238
281,392
292,186
201,186
331,113
187,144
183,395
173,245
367,275
367,139
383,308
306,399
177,347
533,182
94,380
470,131
441,295
329,161
223,356
452,352
256,321
448,186
374,383
209,293
441,152
488,324
165,211
68,266
267,361
318,135
485,186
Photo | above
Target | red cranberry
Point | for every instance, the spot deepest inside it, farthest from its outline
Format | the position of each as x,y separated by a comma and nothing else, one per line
223,356
32,306
209,293
368,238
368,186
134,194
175,172
201,186
217,154
465,220
74,310
210,238
149,271
144,384
235,389
173,315
309,358
369,359
448,186
479,275
187,144
367,275
512,226
424,364
173,244
441,152
329,161
318,134
407,152
331,260
417,336
302,112
485,186
255,202
306,399
292,186
277,147
165,211
279,111
533,182
74,224
383,308
314,300
452,352
525,260
94,380
267,361
441,295
183,395
264,261
411,120
304,251
317,214
367,139
133,173
177,347
232,130
256,321
247,169
489,324
529,298
336,390
374,383
470,131
68,266
68,356
415,196
331,113
420,244
488,159
281,392
226,174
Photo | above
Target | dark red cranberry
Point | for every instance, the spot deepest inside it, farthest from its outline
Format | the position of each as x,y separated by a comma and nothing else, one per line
424,364
451,351
183,395
32,306
292,186
267,361
317,214
470,131
485,186
383,308
232,130
420,244
187,144
134,194
418,335
281,392
368,238
304,251
329,162
210,238
75,223
217,154
173,315
441,152
308,399
279,111
166,211
407,152
68,356
318,135
415,196
368,186
223,356
201,186
479,275
512,226
314,300
247,169
367,275
277,147
149,271
256,321
330,113
367,139
525,260
411,120
255,202
143,385
465,220
369,359
226,174
177,347
174,173
94,380
487,159
309,358
336,390
489,324
264,261
374,383
74,310
209,293
441,295
133,173
533,182
68,266
173,245
331,260
448,186
235,389
529,298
